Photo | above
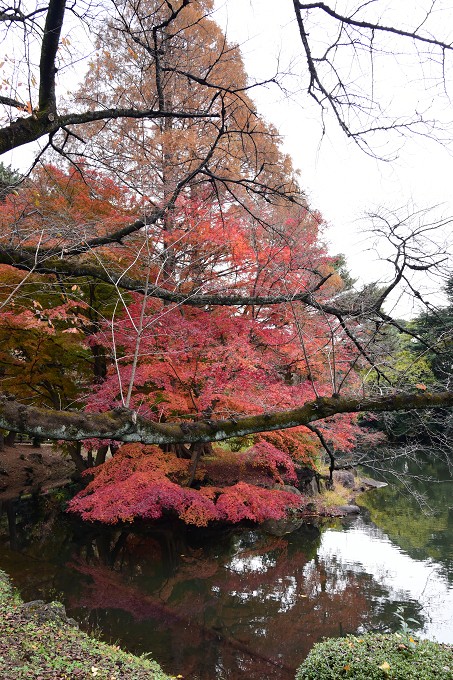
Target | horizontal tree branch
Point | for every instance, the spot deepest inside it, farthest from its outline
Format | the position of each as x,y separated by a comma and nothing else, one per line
25,260
14,14
15,103
29,129
125,425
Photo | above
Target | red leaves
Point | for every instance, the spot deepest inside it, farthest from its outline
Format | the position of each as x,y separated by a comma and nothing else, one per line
136,483
57,208
141,482
177,362
275,462
248,502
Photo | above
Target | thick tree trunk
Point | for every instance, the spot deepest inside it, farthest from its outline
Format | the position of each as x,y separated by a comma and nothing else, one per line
101,454
75,453
10,438
198,450
124,425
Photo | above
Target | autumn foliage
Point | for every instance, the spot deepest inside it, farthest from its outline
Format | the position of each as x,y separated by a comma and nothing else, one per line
85,344
46,354
174,206
143,482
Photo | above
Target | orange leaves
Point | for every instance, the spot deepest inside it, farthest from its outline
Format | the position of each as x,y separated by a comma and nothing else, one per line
58,207
132,53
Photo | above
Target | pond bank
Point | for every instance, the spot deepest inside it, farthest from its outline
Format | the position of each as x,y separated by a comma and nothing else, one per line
27,471
254,604
38,641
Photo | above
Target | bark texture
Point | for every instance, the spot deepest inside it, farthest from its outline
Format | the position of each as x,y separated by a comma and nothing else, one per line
126,426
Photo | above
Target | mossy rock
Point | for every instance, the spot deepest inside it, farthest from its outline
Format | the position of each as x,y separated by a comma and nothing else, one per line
376,656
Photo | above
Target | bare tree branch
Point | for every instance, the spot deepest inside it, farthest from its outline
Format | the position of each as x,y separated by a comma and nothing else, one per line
348,90
372,26
25,130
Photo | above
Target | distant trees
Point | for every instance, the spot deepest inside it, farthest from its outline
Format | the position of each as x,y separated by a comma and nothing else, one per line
435,327
429,356
9,179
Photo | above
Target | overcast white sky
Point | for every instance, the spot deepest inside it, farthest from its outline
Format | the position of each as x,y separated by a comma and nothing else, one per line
340,179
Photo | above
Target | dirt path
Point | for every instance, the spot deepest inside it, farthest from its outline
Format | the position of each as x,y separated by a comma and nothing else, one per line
26,469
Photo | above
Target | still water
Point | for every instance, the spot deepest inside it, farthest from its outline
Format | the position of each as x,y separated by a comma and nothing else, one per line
242,604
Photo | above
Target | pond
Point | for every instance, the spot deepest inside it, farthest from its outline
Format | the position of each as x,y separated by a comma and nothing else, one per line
239,603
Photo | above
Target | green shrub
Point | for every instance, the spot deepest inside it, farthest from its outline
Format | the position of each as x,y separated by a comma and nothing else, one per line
378,657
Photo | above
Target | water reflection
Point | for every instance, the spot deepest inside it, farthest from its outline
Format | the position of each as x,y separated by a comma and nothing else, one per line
421,584
231,604
257,603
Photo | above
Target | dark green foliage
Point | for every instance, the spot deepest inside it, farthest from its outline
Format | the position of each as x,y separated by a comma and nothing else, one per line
9,180
436,328
376,657
428,363
341,266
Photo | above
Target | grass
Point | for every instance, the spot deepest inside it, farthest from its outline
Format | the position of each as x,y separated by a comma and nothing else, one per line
38,643
377,656
340,495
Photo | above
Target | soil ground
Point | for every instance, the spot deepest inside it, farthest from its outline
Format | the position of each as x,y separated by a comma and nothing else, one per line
25,469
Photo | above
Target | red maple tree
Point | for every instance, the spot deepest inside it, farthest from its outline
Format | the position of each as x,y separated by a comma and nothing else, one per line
171,363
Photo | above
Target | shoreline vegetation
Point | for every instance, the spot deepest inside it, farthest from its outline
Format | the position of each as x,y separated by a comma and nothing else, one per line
26,471
39,642
378,656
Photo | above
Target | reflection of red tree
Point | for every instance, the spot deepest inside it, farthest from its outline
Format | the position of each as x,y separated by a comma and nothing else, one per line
251,611
107,590
289,603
